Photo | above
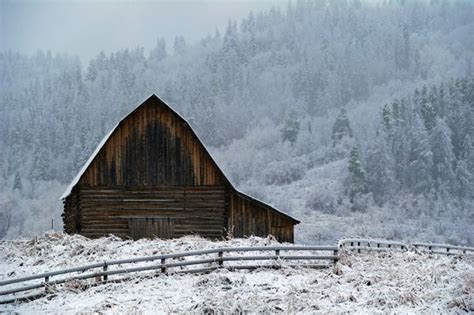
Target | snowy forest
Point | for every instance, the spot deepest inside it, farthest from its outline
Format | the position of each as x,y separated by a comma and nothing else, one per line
355,117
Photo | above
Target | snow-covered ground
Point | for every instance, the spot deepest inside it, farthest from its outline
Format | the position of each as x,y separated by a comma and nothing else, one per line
369,282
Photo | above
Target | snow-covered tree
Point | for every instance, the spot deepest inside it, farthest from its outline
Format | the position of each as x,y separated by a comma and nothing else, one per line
443,157
291,128
358,177
381,170
341,127
420,159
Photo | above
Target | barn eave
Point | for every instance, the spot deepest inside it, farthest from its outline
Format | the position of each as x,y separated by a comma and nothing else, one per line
266,206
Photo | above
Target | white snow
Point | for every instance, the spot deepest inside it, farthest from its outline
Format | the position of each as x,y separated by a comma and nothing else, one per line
389,281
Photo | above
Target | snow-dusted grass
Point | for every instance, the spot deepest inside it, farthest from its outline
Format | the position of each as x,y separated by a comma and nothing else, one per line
369,282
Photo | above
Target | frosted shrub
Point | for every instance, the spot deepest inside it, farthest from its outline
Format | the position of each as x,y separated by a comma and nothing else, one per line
285,172
361,202
322,201
339,150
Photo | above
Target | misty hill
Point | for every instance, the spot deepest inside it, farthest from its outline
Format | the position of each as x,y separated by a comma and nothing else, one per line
354,117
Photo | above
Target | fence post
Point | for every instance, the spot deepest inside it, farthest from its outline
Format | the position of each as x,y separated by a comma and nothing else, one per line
46,285
447,249
358,247
105,277
277,253
163,266
336,255
220,255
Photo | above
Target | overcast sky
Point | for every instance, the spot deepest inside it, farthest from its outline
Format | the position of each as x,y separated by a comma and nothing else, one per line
85,28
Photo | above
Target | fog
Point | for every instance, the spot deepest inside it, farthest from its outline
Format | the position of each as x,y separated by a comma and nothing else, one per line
355,117
85,28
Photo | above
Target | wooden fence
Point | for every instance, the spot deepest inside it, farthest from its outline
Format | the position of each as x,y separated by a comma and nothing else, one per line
318,257
359,244
211,259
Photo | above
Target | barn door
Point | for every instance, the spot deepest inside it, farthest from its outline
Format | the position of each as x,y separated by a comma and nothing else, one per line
150,227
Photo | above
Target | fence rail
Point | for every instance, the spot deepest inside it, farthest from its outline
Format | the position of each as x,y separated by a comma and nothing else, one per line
170,263
323,259
374,244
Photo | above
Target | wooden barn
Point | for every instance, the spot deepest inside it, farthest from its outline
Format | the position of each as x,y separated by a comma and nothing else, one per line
151,176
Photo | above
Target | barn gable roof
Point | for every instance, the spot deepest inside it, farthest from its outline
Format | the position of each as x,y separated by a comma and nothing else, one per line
156,99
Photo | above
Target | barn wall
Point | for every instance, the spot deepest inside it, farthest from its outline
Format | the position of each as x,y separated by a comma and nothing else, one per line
248,217
153,146
153,174
189,210
71,214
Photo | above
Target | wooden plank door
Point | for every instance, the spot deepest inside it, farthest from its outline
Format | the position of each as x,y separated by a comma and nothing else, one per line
150,227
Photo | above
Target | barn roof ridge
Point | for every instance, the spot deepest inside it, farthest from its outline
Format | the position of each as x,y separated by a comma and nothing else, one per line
154,97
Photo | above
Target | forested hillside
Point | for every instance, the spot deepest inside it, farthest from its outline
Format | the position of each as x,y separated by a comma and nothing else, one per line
355,117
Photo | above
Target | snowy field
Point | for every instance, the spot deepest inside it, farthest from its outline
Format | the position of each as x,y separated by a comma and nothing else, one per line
369,282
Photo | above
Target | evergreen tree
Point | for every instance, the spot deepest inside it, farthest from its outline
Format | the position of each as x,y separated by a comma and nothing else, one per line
464,180
465,170
179,46
17,181
427,110
357,176
381,170
159,52
291,128
443,157
467,153
341,127
387,117
421,159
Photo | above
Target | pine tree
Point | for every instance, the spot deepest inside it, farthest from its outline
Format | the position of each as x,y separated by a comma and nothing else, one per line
341,127
17,182
291,128
467,153
427,110
387,117
357,176
465,170
464,180
420,160
179,46
443,157
159,52
381,171
406,48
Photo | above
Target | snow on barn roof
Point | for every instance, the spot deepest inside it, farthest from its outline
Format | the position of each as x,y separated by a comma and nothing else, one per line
78,177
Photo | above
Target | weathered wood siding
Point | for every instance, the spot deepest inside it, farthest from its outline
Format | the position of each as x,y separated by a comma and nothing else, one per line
153,177
198,210
153,146
249,217
151,227
72,213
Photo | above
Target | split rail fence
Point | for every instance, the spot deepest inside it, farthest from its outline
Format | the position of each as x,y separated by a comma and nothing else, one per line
357,244
217,258
212,259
